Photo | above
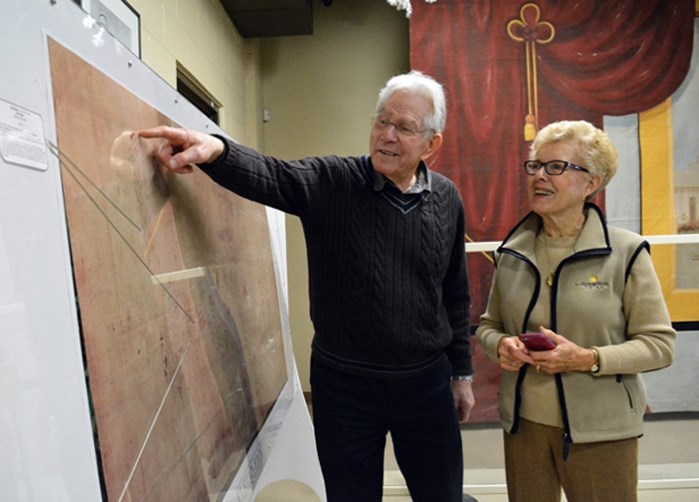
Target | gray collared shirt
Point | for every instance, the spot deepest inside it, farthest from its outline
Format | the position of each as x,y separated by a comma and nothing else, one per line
422,181
411,198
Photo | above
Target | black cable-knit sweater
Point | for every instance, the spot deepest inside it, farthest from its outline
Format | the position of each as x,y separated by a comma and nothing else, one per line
388,284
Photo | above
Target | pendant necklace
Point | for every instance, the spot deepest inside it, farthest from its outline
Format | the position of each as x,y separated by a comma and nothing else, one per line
549,279
558,259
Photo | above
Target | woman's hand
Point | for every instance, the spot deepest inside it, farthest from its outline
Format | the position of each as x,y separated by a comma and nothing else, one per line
512,353
567,356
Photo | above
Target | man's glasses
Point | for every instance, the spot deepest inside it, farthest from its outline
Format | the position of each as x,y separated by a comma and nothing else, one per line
552,167
382,123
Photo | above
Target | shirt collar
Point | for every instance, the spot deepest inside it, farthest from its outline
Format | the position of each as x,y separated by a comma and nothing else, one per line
423,183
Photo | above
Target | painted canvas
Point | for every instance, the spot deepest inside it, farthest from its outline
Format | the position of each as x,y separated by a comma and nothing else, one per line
685,175
670,173
511,67
177,298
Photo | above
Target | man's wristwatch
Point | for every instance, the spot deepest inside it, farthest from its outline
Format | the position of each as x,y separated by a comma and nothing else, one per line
595,365
467,378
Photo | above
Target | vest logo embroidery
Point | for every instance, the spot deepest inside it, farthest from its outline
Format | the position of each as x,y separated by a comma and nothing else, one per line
593,283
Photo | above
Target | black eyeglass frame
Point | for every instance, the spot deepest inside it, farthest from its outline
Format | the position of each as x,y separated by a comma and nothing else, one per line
566,165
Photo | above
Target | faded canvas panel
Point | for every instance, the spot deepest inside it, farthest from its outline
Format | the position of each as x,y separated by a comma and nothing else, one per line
177,297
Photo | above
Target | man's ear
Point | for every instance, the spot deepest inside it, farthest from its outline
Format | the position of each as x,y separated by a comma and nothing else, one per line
433,145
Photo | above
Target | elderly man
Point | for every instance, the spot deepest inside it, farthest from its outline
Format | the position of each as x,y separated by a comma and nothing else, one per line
388,290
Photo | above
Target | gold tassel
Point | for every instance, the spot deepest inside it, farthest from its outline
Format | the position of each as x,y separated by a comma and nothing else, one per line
520,30
529,127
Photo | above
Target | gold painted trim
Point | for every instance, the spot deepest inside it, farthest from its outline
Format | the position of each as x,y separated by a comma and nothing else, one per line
657,205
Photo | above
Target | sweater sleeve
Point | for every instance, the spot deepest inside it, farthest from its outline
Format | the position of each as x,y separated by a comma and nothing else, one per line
457,300
293,187
490,328
650,338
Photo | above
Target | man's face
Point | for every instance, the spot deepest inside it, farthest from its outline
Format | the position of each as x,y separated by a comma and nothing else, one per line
397,142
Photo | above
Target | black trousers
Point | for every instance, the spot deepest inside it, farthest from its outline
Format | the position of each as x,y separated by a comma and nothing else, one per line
352,416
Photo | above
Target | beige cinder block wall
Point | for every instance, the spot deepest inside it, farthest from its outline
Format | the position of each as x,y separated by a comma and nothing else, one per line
320,91
199,36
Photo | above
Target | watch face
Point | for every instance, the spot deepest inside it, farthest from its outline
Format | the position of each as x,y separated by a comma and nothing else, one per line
595,368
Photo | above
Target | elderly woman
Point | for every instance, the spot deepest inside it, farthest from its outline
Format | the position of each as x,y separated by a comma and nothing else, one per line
572,414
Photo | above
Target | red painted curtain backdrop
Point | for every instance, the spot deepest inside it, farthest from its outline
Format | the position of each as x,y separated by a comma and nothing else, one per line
606,57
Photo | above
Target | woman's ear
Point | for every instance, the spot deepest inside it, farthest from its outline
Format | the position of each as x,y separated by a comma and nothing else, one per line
593,184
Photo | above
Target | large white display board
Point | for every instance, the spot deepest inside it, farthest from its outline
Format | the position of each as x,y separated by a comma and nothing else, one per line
46,422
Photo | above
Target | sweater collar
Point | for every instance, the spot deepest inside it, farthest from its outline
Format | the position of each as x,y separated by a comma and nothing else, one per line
594,235
422,183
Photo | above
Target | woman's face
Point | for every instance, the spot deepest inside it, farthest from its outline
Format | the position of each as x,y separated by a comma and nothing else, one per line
563,195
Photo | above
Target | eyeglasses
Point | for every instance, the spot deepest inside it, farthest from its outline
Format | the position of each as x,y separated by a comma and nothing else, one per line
382,123
552,167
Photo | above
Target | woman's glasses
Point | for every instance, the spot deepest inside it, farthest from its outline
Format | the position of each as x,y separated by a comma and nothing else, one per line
552,167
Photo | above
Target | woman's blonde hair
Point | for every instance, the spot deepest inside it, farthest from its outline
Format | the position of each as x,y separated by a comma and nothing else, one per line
596,151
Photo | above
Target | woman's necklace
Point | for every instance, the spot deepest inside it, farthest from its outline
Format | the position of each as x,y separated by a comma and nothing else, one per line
553,264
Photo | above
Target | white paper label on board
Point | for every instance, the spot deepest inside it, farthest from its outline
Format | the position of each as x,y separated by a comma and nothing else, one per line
22,137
